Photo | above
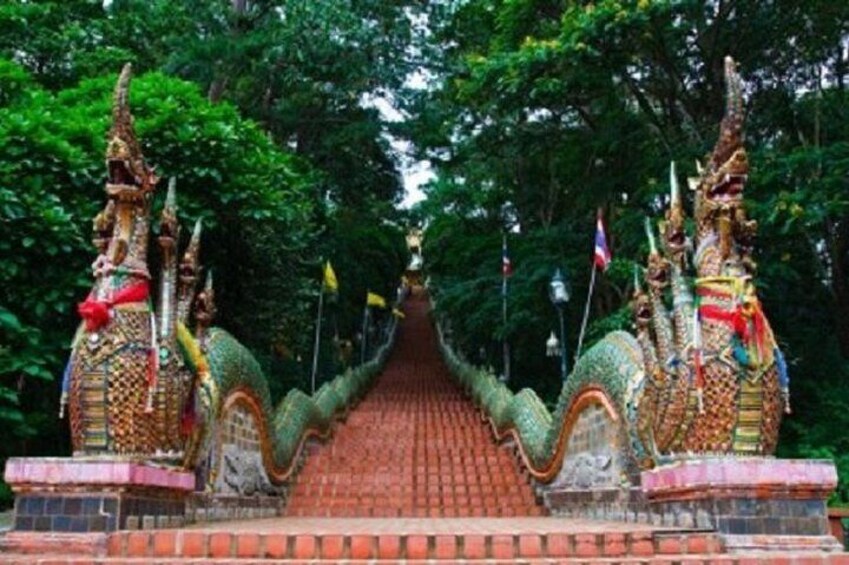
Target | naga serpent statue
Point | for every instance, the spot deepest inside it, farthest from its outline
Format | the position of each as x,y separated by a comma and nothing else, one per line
703,374
717,382
139,384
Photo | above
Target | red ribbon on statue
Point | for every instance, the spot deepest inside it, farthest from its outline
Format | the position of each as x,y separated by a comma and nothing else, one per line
96,312
739,318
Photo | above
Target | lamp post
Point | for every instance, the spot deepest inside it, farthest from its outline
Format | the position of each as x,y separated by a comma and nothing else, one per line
559,291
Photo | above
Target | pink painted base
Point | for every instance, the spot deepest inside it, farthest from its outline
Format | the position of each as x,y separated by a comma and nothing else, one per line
759,476
26,473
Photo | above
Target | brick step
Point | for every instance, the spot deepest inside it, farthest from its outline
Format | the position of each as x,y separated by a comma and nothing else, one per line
314,476
320,511
448,484
433,470
403,469
243,547
31,543
330,503
247,544
414,446
719,559
366,502
407,459
435,493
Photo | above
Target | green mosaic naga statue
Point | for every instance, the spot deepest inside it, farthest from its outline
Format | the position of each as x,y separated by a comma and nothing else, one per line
139,384
703,374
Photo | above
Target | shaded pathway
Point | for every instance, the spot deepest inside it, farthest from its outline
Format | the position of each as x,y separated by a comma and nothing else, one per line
415,446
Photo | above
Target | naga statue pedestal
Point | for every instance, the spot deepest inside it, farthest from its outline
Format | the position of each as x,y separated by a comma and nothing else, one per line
96,494
754,502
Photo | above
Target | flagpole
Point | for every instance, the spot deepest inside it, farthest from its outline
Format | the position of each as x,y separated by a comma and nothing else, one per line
505,343
586,312
365,335
317,337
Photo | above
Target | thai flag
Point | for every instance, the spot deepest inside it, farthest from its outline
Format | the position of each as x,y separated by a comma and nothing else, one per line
506,265
602,251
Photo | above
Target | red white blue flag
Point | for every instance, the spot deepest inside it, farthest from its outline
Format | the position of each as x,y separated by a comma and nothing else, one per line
506,265
602,251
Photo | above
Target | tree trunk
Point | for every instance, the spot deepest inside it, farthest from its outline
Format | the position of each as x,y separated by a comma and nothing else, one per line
216,90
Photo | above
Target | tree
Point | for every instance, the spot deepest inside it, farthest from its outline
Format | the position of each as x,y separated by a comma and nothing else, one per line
303,69
255,199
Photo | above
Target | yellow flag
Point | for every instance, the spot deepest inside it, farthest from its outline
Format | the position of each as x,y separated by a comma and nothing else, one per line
330,282
373,299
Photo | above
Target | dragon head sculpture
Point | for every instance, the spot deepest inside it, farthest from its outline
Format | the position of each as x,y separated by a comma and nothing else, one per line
188,273
657,269
673,228
130,185
205,307
720,215
641,306
129,175
101,228
169,227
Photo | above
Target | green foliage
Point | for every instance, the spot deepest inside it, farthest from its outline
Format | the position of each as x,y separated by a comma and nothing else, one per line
40,243
14,80
62,41
256,200
547,110
464,262
312,178
303,69
368,254
306,70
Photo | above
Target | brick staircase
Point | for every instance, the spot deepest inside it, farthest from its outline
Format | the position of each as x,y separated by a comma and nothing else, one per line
415,459
415,446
